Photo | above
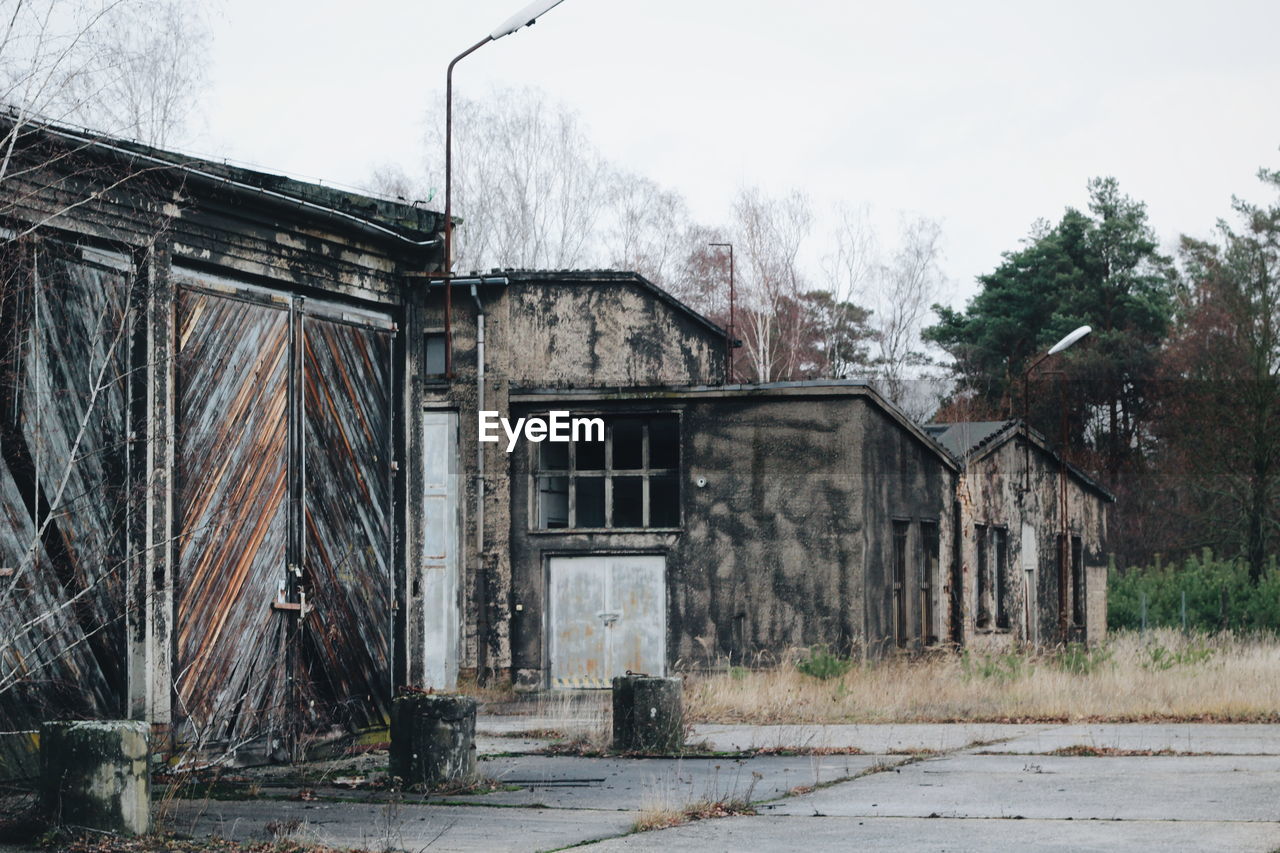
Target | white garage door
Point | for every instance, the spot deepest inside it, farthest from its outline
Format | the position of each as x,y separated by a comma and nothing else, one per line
607,616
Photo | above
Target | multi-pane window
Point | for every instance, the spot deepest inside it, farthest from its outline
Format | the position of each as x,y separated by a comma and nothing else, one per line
929,566
631,480
983,576
900,529
1000,543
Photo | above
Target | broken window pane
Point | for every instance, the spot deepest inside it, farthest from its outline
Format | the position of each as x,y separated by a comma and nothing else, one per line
553,502
628,443
628,507
664,443
589,501
664,502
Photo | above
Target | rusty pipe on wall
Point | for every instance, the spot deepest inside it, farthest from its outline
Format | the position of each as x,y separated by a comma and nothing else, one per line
729,337
448,203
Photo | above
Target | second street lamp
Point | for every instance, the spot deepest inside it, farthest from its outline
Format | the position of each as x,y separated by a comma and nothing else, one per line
1063,540
525,17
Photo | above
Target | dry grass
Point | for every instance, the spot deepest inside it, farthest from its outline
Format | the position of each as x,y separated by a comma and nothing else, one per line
1159,676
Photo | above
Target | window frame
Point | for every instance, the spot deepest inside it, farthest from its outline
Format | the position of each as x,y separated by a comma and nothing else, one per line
646,474
982,579
1079,606
930,572
899,571
1000,586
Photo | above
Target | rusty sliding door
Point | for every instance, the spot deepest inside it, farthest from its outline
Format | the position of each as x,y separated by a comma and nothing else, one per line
233,384
347,543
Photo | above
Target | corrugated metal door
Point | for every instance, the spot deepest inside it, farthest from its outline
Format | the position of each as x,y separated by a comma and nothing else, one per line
606,616
285,599
440,549
232,467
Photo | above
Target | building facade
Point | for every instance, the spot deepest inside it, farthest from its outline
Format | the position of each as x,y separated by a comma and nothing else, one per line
246,497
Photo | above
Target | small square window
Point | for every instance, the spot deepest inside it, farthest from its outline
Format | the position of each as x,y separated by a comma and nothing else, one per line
433,364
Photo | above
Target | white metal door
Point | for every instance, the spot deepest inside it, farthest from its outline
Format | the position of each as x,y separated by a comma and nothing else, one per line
607,616
440,549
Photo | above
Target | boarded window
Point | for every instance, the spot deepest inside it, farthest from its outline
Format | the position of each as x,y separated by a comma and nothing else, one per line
900,529
631,480
1077,581
929,566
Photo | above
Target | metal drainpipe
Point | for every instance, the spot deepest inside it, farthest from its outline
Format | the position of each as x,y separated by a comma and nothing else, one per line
483,616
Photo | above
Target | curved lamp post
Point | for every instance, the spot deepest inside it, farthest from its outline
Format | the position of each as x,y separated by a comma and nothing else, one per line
1063,556
524,18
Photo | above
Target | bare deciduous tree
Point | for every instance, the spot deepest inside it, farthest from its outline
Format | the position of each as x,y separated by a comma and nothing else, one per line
768,234
127,68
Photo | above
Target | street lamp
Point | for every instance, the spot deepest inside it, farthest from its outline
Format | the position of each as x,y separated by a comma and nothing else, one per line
1061,345
1063,555
728,344
524,18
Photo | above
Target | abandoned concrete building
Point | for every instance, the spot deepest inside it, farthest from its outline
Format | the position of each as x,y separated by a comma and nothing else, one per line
244,493
1034,529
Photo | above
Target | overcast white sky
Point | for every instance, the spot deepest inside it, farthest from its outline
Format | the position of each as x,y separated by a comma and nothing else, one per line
985,115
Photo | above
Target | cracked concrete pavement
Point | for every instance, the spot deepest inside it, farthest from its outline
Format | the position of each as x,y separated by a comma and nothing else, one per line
908,787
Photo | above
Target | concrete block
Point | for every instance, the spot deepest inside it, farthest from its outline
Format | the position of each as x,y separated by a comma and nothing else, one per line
94,774
648,714
433,739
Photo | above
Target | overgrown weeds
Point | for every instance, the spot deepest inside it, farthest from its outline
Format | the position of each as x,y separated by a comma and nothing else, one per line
1159,675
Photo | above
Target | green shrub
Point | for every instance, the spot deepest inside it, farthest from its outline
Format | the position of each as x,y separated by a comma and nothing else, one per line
999,667
1079,659
821,663
1219,597
1161,658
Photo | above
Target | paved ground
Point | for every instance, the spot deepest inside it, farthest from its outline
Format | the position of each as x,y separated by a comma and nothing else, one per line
905,787
895,787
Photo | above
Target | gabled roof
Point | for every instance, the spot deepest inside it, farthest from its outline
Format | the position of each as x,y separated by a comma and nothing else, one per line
972,441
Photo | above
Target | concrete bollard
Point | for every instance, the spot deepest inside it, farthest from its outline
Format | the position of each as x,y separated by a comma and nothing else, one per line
94,774
648,714
433,739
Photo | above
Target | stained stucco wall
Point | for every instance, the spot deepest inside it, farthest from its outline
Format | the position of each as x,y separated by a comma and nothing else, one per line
779,549
583,332
580,330
992,492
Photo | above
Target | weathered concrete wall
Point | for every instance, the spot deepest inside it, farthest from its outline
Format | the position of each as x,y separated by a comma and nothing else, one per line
787,543
564,329
608,329
992,492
